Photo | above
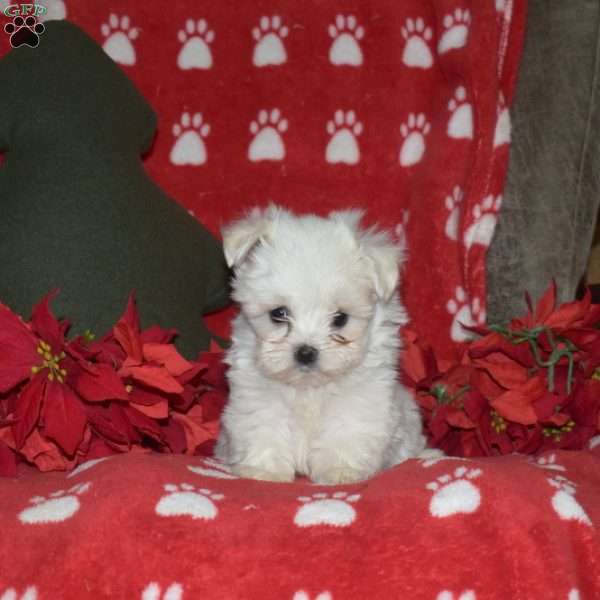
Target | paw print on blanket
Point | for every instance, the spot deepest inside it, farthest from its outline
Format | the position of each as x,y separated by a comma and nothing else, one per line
119,36
455,494
485,213
56,10
196,38
186,500
502,131
189,147
464,314
324,509
213,468
453,203
267,143
546,462
564,503
417,52
59,506
345,48
269,48
413,132
460,124
448,595
30,593
343,145
302,595
456,30
153,591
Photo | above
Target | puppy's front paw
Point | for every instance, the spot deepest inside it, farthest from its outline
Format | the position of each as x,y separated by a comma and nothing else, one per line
252,472
338,475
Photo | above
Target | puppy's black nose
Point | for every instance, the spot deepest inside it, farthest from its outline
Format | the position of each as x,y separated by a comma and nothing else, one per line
306,355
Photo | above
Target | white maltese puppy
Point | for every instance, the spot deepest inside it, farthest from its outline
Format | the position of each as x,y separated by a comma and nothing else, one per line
314,355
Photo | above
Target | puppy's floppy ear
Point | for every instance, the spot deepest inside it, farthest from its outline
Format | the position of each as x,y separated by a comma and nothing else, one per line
242,236
377,247
385,257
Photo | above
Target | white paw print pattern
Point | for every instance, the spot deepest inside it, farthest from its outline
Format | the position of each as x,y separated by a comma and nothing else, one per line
189,147
573,594
501,5
56,10
345,48
502,131
430,462
267,143
546,462
195,38
460,124
325,509
448,595
417,52
60,506
455,494
464,314
485,213
453,204
456,31
119,36
186,500
594,442
413,132
30,593
153,591
564,503
302,595
214,469
343,145
88,464
269,48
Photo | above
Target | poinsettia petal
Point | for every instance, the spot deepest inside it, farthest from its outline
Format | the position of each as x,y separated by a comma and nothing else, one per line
167,356
143,423
156,377
105,384
45,454
457,418
158,335
46,326
127,331
517,404
64,417
27,408
18,350
196,432
174,436
158,410
546,304
8,461
566,315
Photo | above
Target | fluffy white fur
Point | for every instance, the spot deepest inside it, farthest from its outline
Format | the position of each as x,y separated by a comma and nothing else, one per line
345,417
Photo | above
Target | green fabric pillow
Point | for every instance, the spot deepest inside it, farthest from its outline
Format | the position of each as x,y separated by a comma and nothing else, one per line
77,210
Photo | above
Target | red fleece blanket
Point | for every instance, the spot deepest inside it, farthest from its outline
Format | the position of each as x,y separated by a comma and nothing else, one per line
149,527
396,107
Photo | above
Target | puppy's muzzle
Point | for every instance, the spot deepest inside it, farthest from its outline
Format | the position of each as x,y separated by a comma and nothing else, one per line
306,355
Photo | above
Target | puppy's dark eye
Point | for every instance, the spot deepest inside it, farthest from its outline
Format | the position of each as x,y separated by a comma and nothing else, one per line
279,314
339,320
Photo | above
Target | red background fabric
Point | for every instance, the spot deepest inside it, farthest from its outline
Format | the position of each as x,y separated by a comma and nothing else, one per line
439,191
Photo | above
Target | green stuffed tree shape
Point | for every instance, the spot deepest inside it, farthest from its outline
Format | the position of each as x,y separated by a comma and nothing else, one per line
77,209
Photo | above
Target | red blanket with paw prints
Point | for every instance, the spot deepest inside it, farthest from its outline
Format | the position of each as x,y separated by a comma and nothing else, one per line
400,108
152,527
